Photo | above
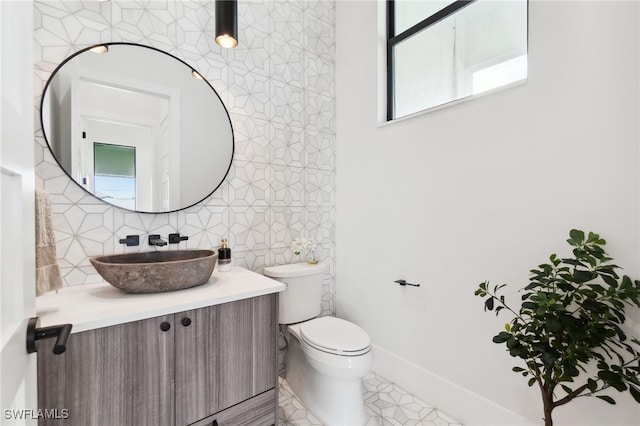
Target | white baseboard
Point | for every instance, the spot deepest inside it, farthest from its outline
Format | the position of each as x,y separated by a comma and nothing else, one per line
454,401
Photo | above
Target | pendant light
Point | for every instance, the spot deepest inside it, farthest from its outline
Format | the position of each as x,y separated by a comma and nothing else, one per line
100,48
227,23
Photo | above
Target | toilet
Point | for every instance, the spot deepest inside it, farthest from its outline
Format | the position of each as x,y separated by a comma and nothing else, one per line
326,356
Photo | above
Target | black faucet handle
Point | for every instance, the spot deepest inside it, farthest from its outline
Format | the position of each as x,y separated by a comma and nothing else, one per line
131,240
176,238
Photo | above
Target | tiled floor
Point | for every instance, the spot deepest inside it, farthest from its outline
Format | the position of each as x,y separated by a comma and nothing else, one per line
385,404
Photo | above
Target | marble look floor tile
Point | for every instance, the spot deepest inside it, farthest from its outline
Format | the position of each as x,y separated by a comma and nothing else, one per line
292,411
385,404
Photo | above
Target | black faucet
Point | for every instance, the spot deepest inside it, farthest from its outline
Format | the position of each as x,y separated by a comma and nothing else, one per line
176,238
155,240
131,240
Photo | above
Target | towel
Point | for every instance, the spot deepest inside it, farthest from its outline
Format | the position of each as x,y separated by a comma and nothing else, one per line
48,276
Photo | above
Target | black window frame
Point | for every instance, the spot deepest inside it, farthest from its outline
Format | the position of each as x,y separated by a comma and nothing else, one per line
393,39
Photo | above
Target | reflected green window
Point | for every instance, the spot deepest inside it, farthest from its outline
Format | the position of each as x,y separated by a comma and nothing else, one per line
115,174
114,160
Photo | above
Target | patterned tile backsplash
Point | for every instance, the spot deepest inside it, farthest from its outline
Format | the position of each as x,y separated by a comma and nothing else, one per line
278,86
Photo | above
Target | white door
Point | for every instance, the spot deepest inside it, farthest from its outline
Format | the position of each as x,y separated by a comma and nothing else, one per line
18,388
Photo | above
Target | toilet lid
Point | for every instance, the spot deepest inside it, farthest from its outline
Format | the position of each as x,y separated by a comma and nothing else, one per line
295,270
335,335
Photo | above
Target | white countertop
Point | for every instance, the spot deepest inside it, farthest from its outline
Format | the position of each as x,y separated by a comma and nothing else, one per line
92,306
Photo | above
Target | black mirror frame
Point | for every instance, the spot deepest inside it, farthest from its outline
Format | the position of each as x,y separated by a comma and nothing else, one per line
79,52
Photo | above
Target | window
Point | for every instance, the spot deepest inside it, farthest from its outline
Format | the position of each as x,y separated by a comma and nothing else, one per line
115,174
439,51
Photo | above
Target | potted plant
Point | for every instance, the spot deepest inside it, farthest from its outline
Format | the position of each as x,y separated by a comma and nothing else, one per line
567,331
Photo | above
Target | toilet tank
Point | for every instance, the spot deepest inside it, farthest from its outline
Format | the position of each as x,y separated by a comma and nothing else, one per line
302,299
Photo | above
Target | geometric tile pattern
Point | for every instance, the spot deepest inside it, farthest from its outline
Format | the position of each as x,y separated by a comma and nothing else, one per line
279,88
385,404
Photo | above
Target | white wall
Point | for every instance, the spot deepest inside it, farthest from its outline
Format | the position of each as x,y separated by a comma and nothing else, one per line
485,189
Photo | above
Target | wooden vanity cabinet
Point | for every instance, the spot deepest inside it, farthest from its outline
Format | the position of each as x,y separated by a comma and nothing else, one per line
213,365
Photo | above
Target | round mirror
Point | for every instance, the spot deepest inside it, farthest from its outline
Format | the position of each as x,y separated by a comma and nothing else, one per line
137,127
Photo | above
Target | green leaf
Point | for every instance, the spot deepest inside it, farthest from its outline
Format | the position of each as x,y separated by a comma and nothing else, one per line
593,385
619,386
593,305
620,317
634,379
572,371
518,369
574,262
576,237
595,238
583,276
502,337
567,389
531,381
610,280
520,352
488,304
532,286
612,379
635,393
607,399
609,270
553,324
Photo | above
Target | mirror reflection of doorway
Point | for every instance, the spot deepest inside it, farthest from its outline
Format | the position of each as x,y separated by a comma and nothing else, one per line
139,139
115,115
114,174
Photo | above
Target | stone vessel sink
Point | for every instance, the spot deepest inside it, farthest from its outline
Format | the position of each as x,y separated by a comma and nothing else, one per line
156,271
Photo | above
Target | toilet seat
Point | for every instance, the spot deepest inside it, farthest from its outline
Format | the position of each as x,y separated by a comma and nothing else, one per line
335,336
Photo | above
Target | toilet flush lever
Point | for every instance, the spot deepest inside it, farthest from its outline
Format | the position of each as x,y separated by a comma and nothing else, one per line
403,282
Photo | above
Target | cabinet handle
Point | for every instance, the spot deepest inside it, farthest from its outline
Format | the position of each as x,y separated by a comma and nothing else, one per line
165,326
186,321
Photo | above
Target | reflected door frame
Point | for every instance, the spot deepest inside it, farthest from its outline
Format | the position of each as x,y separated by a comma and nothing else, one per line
165,176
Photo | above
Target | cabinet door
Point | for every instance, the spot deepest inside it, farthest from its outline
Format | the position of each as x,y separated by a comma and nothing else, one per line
226,355
119,375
